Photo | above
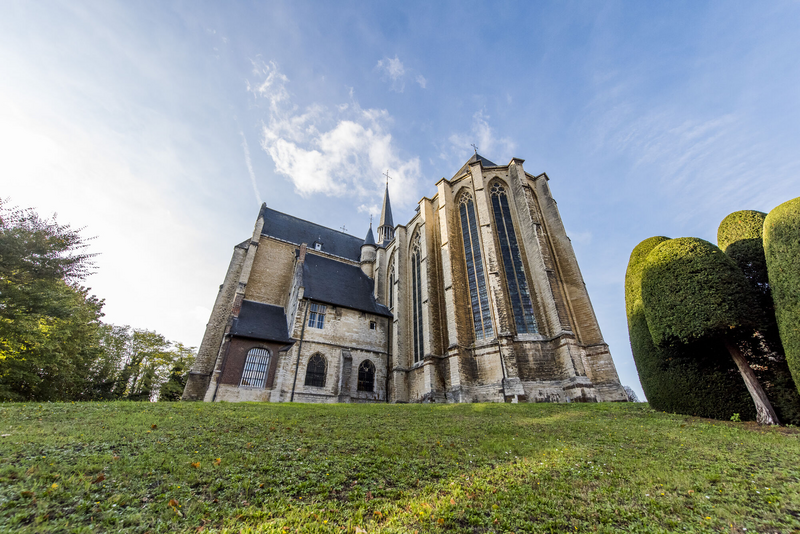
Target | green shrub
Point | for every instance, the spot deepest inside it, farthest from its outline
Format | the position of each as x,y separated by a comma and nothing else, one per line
699,379
782,248
692,291
740,236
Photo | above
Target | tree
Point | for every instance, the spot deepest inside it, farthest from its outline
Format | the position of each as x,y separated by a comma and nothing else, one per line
172,389
698,379
692,292
141,362
782,248
740,236
49,324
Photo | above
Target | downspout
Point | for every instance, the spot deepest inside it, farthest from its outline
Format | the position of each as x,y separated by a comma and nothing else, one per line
299,348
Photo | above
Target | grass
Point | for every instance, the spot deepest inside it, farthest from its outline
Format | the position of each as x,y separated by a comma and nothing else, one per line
194,467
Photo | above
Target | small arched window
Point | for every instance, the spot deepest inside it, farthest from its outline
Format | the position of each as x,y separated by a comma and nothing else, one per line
512,262
366,376
256,367
481,316
316,371
416,299
390,289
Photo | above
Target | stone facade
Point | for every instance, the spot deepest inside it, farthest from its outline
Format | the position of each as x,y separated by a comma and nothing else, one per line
478,298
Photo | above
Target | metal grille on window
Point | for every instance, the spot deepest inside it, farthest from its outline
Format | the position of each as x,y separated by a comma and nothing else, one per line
366,376
516,281
416,301
315,371
256,367
481,316
316,316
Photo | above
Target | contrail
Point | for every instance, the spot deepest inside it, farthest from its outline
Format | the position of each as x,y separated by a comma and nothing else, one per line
250,167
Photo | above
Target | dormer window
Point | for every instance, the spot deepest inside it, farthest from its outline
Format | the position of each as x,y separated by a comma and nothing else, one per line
317,246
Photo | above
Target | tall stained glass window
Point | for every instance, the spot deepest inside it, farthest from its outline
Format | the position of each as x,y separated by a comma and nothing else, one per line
416,299
481,316
512,263
390,289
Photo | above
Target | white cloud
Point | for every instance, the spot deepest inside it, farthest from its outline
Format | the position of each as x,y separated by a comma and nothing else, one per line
336,152
372,209
393,71
490,145
249,165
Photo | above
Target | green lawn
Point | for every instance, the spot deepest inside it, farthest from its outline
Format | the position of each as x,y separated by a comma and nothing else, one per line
188,467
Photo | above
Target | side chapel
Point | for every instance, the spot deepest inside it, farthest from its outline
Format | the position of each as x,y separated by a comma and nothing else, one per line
478,298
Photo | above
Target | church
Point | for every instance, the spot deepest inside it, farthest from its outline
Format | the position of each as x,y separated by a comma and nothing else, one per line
478,298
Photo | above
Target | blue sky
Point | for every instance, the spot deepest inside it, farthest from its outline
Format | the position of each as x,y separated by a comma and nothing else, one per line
161,126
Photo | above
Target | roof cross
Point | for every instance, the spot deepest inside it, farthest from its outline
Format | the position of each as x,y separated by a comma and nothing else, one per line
475,148
386,174
344,228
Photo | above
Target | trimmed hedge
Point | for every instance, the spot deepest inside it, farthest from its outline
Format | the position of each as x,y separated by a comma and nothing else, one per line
698,379
692,291
740,235
782,248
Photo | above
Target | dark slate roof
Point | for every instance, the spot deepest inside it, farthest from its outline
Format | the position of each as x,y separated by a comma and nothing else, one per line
261,321
298,231
370,239
476,157
339,284
386,211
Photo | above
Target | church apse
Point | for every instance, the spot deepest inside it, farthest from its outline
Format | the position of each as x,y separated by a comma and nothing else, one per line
478,298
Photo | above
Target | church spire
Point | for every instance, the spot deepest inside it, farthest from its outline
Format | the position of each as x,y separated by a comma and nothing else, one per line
386,228
370,239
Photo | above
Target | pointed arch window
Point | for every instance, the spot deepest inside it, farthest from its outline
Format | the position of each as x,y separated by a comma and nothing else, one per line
366,376
516,281
391,284
416,299
256,366
481,316
316,371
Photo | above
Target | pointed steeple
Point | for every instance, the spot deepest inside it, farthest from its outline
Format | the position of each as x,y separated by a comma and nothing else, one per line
370,239
386,228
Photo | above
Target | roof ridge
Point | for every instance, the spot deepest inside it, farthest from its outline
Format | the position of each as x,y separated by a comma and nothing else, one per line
315,224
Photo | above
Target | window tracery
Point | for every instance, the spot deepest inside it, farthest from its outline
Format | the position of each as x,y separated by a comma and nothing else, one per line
366,376
416,299
481,316
516,281
316,371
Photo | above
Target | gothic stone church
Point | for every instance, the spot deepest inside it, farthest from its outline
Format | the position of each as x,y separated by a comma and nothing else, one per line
478,298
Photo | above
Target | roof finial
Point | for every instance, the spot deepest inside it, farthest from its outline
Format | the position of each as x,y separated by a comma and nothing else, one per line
343,228
474,148
370,220
386,174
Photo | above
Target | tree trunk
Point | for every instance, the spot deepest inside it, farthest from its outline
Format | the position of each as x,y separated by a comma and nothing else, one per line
765,415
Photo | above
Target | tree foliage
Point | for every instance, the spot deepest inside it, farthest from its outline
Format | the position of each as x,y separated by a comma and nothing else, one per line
740,236
53,345
782,249
698,379
693,293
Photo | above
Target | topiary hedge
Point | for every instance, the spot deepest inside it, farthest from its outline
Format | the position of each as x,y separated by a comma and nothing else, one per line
782,249
698,379
693,291
740,236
